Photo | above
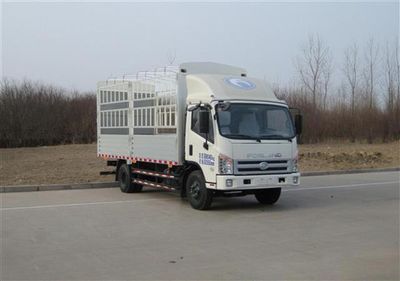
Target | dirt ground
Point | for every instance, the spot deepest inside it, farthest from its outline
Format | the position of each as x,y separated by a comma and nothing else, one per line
344,156
79,164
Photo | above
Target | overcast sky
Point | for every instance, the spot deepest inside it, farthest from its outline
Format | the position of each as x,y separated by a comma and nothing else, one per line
74,45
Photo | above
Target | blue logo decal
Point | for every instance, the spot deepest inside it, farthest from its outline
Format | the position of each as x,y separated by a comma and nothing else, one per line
240,83
206,159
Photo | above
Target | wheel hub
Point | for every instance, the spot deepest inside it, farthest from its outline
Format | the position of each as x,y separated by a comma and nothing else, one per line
195,190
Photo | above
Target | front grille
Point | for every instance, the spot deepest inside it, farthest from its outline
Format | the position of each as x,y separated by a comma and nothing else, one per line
253,167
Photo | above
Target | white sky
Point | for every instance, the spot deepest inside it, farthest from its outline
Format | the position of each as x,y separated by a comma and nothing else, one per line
74,45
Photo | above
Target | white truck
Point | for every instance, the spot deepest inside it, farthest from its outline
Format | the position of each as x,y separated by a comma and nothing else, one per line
204,129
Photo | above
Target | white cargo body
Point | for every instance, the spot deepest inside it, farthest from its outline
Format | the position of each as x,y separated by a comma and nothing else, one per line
205,129
138,117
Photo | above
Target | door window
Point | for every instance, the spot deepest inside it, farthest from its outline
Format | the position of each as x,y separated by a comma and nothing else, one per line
195,126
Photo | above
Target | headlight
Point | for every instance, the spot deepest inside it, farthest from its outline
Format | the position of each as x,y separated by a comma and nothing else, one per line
225,164
295,167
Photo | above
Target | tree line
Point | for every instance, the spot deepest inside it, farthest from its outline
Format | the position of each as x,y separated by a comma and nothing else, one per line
357,99
35,114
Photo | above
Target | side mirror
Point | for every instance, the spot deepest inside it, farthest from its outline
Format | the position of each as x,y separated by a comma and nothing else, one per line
298,123
204,122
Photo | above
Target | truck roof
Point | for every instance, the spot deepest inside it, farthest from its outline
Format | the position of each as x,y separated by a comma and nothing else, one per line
210,87
205,81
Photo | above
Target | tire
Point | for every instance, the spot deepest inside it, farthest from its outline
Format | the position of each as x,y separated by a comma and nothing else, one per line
200,198
268,196
125,180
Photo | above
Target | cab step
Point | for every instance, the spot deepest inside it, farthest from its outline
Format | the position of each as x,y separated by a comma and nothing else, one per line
153,174
153,184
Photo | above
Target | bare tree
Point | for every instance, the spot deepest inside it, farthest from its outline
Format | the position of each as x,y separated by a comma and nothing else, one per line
312,64
351,72
326,80
370,70
396,86
389,78
389,86
397,77
370,74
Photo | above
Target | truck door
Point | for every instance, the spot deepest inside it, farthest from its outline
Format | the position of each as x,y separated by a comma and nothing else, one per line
200,148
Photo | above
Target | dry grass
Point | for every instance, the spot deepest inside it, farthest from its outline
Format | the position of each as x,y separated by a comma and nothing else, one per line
78,163
51,164
344,156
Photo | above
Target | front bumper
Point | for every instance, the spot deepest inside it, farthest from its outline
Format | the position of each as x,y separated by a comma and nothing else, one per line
255,181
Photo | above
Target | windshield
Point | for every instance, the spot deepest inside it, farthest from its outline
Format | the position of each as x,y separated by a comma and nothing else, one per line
254,121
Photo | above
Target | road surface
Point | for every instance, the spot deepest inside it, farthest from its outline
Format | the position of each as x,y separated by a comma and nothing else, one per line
331,227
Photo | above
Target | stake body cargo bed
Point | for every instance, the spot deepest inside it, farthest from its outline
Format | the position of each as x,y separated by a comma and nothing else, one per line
138,118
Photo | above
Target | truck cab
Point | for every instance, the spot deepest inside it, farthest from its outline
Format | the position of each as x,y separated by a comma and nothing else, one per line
240,135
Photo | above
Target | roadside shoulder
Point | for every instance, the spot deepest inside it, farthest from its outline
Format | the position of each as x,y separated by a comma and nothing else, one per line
355,171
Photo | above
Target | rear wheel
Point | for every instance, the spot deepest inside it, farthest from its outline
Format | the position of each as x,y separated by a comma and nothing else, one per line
199,196
268,196
125,180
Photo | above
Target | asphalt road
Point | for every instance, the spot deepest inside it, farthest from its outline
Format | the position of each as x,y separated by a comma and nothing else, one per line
332,227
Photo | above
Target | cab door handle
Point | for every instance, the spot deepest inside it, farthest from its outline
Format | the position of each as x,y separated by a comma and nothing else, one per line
190,149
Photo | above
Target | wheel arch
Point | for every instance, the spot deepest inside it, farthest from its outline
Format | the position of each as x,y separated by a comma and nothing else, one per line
190,167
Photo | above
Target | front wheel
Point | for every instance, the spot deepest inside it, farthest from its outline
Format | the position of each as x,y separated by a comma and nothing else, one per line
268,196
199,196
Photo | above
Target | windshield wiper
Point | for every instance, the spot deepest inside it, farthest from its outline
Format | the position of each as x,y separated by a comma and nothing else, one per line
276,137
244,136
